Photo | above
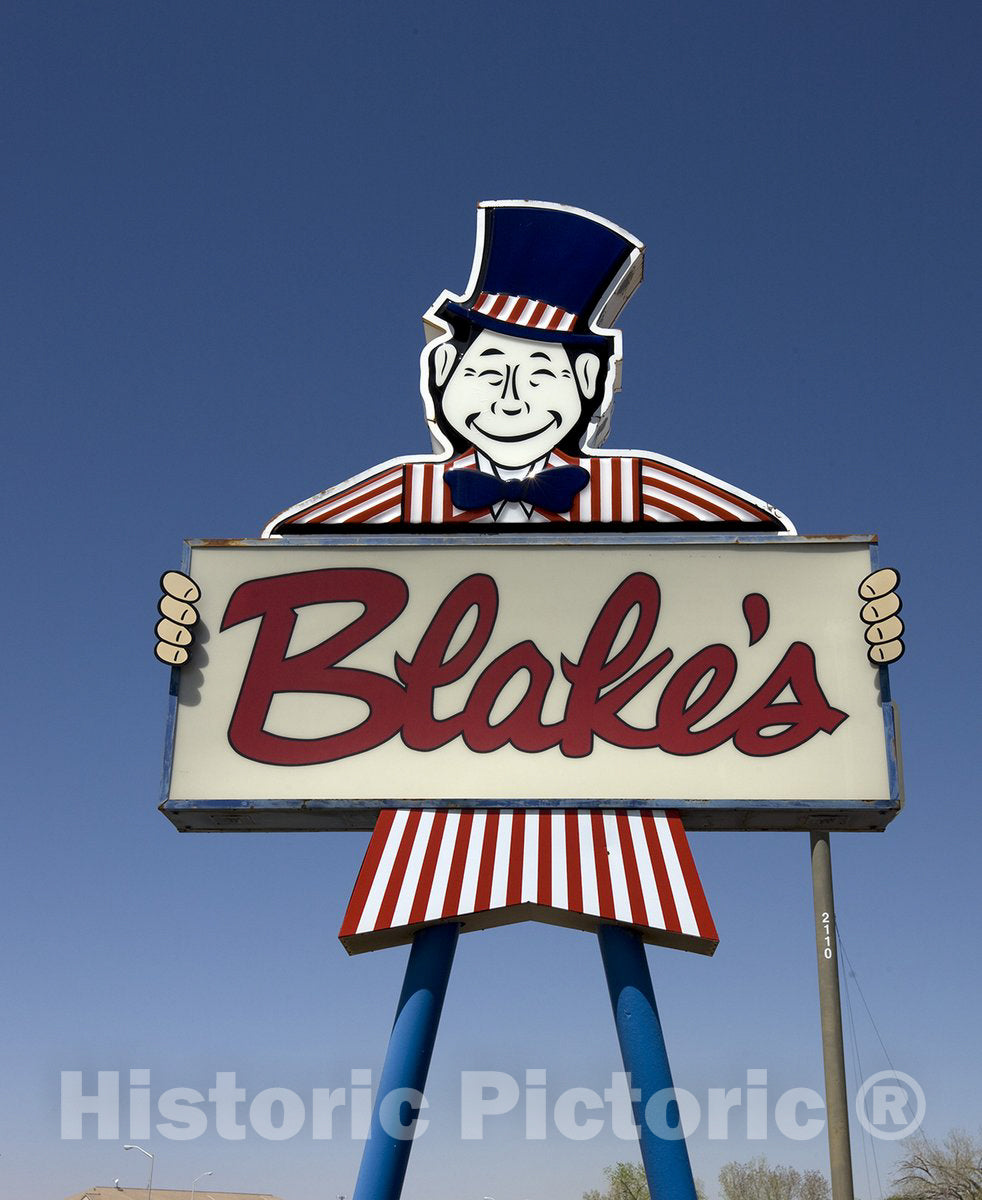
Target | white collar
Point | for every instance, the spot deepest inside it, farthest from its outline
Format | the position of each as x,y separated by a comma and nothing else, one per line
485,464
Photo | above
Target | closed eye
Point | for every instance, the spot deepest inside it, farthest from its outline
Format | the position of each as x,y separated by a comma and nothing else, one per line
544,372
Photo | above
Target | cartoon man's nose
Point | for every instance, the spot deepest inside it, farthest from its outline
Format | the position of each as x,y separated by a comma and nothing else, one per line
507,407
509,389
509,402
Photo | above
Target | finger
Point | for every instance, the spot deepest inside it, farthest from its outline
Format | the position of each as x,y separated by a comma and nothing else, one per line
174,656
885,631
876,610
879,583
170,631
183,614
887,653
180,586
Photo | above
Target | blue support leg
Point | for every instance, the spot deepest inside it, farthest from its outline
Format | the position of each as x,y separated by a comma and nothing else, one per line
666,1159
407,1061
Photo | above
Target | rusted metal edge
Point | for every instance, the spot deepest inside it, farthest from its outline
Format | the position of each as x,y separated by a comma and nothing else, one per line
203,816
528,539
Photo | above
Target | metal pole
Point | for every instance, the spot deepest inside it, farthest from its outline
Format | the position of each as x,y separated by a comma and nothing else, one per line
407,1061
836,1098
663,1150
150,1180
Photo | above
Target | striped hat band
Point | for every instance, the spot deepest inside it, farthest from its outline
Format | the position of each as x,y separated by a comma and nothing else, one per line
521,310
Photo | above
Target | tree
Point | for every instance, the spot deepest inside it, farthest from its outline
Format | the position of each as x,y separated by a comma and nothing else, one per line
627,1181
758,1180
950,1170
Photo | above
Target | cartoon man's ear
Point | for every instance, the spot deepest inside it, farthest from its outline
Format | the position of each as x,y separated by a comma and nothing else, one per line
587,369
444,357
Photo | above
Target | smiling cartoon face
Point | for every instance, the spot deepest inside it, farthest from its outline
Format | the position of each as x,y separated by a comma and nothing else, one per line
514,398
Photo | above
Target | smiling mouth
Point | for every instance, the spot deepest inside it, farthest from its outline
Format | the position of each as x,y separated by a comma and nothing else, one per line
471,423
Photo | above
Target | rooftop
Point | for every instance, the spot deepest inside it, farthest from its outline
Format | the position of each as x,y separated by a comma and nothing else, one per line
140,1193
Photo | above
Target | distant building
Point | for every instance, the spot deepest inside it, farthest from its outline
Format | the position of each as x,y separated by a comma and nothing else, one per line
140,1193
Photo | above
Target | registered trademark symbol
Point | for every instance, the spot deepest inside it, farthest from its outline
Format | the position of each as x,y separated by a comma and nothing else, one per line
890,1105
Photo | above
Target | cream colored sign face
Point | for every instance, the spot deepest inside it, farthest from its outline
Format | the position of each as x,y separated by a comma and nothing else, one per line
725,679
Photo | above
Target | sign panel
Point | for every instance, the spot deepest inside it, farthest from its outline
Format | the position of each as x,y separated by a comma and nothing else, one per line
722,676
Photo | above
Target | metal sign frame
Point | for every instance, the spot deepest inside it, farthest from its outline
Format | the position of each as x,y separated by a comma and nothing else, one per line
315,813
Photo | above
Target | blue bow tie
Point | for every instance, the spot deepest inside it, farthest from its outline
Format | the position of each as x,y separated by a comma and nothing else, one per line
552,489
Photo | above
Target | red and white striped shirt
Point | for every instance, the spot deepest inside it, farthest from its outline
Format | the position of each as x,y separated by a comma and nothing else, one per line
574,867
570,867
624,489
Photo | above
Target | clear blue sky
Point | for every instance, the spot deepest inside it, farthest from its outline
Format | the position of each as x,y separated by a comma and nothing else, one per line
222,222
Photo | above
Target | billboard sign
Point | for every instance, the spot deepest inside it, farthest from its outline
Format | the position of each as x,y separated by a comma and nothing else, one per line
722,676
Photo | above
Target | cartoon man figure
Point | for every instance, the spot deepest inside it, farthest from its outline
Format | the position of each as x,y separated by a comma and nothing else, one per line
518,380
518,384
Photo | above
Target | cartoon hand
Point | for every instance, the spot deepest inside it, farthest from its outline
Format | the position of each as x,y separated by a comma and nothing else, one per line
884,627
177,616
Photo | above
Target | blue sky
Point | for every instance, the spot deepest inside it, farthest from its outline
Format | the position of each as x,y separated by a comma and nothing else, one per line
222,224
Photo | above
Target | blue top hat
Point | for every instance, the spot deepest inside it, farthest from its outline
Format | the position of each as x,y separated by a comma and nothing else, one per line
546,270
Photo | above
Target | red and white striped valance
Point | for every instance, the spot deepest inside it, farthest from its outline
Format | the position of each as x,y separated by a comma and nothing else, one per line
573,867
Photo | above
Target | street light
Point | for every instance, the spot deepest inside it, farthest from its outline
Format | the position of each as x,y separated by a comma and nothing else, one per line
201,1176
150,1180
